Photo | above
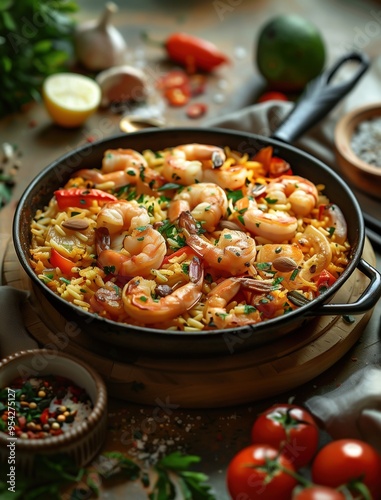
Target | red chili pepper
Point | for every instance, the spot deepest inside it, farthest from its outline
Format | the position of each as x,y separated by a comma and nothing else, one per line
196,110
177,96
77,197
57,260
192,52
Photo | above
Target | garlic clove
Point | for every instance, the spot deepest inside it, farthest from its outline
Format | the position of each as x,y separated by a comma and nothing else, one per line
122,84
98,44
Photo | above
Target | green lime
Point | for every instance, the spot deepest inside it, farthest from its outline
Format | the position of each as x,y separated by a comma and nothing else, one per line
290,52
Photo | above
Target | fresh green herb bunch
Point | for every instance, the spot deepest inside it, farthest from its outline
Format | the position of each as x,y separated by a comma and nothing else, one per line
36,40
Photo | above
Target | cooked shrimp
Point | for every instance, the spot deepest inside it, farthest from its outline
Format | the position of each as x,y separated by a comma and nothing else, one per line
275,226
132,246
299,192
121,167
313,239
280,254
232,253
121,159
207,203
143,249
216,313
121,215
139,303
191,163
337,220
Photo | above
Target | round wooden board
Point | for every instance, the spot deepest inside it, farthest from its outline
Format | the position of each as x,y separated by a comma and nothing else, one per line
214,382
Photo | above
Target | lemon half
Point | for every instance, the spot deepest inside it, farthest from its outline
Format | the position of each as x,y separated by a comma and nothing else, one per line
70,98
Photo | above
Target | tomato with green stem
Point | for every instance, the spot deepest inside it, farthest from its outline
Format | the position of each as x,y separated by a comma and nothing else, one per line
260,471
349,462
290,429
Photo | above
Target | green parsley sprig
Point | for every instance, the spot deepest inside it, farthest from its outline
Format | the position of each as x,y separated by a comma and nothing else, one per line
35,41
57,473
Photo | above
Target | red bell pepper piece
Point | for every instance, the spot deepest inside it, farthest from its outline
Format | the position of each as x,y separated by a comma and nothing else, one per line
79,197
183,250
278,167
325,280
58,260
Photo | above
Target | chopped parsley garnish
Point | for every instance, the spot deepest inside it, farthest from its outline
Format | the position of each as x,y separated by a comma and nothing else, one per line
234,195
271,201
249,309
64,280
109,269
294,274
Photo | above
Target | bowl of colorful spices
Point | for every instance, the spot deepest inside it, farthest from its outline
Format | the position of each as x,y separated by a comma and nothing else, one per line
358,147
50,403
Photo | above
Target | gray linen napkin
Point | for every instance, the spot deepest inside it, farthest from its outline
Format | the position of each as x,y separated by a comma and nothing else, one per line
353,410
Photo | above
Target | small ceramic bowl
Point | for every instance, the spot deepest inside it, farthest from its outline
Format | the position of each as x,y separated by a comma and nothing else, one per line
361,174
83,440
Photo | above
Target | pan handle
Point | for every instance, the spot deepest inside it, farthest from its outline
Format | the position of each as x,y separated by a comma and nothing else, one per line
365,302
319,98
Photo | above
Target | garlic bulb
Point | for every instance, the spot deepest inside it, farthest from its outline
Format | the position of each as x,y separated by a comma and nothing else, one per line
98,44
121,84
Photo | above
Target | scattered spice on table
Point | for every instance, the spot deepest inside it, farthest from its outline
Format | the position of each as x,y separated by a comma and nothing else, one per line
43,407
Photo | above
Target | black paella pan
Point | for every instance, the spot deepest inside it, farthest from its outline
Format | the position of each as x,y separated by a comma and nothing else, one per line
320,97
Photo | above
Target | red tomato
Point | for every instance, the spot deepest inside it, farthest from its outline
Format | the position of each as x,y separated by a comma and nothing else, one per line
253,473
345,460
289,428
272,96
318,493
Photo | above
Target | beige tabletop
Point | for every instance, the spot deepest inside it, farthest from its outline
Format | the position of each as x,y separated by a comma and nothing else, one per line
214,434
